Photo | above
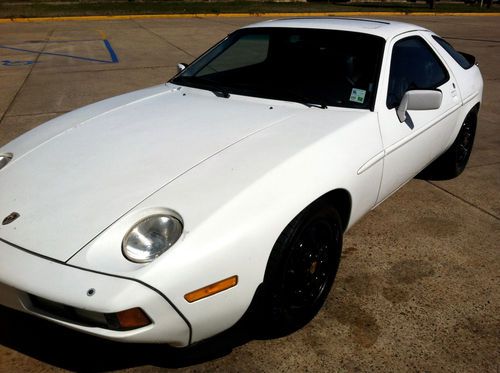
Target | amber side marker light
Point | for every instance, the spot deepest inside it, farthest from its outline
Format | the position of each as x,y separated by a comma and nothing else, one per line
212,289
132,318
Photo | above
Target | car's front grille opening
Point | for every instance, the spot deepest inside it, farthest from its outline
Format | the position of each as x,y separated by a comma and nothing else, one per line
112,321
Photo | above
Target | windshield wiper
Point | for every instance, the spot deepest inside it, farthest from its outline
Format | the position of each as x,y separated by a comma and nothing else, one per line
312,104
214,87
203,83
305,100
223,94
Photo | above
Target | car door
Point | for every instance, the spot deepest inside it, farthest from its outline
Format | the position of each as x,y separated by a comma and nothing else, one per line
411,145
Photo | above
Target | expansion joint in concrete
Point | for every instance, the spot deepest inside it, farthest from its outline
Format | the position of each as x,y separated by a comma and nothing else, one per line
464,200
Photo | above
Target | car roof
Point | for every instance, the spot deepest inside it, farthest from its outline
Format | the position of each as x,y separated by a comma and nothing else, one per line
383,28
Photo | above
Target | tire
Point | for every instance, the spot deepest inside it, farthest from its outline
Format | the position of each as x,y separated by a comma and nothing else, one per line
452,163
301,269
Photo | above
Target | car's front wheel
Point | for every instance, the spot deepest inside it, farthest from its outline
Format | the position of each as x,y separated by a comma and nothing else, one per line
301,268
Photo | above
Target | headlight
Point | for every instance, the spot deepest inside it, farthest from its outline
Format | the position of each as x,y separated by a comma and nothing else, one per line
151,237
4,159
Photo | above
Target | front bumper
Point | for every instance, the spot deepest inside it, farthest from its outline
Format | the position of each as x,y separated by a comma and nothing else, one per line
23,275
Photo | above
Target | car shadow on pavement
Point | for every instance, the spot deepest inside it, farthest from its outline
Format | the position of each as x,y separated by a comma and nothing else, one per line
71,350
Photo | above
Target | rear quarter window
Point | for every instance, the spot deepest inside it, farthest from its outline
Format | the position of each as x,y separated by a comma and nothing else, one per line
457,56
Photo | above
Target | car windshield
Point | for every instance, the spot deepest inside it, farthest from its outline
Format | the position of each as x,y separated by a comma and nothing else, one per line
310,66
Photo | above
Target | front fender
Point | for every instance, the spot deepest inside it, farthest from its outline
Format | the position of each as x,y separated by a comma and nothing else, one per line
236,204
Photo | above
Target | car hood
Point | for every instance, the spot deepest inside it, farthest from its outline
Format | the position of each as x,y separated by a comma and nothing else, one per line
70,185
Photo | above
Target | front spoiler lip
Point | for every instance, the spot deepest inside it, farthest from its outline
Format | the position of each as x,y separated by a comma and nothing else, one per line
179,313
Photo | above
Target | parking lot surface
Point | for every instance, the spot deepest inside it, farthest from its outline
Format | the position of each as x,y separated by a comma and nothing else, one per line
418,287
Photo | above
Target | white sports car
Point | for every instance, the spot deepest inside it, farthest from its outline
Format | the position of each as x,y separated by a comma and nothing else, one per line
161,215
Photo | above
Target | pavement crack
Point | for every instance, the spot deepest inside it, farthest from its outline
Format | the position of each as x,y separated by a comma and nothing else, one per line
35,114
484,165
163,38
218,21
479,40
463,200
111,69
32,66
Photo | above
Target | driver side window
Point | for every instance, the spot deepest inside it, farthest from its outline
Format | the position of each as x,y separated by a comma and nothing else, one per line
413,66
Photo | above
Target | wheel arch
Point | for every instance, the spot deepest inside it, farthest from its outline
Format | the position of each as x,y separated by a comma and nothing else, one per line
338,200
341,200
474,110
470,109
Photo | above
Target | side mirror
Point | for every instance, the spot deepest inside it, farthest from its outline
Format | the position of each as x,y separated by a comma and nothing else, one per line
419,100
181,66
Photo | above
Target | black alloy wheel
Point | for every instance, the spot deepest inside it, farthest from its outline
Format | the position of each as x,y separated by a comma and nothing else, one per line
309,264
302,268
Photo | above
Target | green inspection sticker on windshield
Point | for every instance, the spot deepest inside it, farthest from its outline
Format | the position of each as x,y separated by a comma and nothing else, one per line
358,95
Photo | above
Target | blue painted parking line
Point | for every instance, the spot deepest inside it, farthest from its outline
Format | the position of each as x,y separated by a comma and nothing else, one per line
16,63
112,55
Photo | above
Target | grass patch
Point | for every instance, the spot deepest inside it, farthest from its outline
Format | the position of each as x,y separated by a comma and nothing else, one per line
47,9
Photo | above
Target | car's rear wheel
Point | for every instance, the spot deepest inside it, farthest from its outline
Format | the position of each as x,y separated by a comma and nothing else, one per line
452,163
301,269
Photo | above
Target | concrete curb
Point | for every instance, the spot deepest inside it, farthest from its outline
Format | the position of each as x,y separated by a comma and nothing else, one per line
234,15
